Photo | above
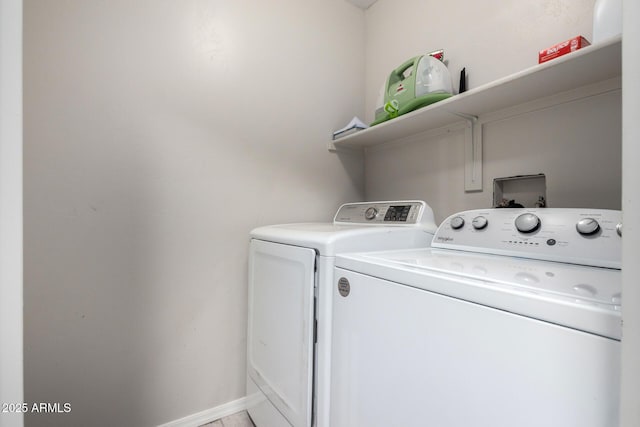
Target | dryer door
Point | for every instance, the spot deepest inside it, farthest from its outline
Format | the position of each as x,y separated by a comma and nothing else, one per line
281,323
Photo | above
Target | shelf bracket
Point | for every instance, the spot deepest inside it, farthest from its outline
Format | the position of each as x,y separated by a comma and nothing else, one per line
472,153
333,148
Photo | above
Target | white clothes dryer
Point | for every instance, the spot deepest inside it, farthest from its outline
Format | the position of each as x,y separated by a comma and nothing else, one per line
289,323
511,318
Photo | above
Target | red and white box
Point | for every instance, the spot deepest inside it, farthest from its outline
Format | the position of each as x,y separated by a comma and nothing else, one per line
578,42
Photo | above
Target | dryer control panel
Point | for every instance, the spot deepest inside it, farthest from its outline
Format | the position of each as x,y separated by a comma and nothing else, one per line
579,236
404,212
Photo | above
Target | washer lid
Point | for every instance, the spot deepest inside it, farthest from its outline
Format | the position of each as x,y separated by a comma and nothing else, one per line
580,297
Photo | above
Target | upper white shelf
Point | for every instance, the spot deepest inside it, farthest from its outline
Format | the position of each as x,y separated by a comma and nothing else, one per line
586,66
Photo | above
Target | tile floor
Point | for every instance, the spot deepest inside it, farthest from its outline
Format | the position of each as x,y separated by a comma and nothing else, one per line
241,419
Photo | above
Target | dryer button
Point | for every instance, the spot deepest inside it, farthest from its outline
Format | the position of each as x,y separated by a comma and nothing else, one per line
371,213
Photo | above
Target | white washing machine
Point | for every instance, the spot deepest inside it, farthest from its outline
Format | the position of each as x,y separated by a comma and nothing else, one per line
289,326
511,318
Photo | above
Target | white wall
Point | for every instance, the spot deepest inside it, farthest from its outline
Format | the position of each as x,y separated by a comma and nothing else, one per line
630,396
11,362
577,145
157,134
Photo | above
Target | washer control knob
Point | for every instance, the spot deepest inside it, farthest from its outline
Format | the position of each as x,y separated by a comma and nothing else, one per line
619,229
479,222
587,226
457,222
371,213
527,223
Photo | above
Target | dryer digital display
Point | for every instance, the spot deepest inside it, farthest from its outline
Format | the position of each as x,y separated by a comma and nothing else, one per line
397,213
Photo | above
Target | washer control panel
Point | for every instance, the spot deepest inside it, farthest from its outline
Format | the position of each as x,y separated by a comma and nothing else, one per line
407,212
579,236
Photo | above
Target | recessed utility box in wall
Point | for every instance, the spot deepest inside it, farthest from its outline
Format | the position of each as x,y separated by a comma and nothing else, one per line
529,191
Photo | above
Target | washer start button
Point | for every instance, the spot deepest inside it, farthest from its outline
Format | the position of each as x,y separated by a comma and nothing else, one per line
551,242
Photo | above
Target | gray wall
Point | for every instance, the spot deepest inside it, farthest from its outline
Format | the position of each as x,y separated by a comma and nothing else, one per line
576,144
157,135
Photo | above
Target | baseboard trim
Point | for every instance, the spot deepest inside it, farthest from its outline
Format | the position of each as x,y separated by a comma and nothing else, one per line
209,415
